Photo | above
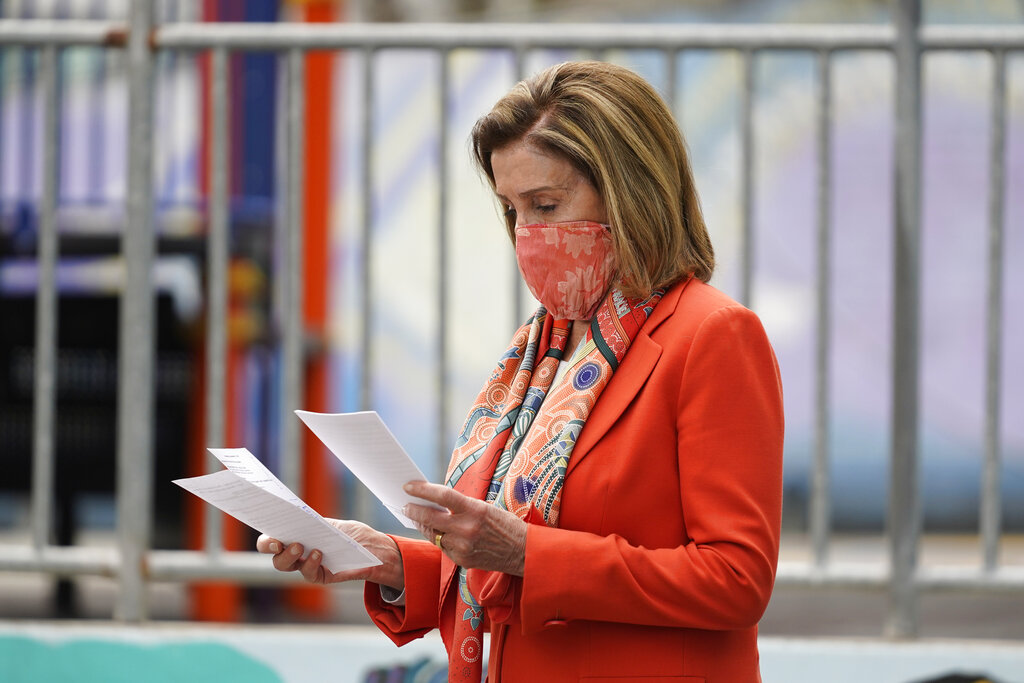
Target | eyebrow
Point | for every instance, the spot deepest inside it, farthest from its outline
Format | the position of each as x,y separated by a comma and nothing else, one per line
536,190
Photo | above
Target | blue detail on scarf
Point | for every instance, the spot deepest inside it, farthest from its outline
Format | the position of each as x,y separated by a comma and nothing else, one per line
586,376
523,489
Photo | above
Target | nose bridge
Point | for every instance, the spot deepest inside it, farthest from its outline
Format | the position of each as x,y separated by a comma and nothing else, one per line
523,214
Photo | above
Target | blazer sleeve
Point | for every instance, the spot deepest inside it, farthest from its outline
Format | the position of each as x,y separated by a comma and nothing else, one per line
730,432
421,562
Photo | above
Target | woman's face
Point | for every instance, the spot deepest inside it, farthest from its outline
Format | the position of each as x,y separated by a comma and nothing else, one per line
537,187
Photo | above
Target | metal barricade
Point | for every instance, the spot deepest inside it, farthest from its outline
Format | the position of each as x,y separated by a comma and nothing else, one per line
134,563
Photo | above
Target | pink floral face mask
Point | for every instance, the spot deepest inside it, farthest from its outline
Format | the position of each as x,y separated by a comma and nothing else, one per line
568,266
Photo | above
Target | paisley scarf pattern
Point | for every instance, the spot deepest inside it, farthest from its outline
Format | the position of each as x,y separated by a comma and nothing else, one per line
515,446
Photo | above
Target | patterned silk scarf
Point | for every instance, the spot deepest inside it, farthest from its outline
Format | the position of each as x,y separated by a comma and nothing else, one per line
515,446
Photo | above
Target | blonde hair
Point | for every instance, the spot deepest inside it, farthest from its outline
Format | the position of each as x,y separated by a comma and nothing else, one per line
612,126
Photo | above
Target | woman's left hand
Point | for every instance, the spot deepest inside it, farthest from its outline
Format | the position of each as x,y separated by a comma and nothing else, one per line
475,534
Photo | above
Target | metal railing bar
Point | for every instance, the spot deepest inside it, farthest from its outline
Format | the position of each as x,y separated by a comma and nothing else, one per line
43,32
1009,579
526,36
971,37
135,393
239,566
366,238
217,284
292,318
820,513
44,391
199,36
63,560
443,446
255,569
746,189
991,496
838,575
904,512
671,74
1006,579
362,501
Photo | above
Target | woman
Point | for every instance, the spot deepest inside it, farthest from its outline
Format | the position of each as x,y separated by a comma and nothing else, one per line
613,502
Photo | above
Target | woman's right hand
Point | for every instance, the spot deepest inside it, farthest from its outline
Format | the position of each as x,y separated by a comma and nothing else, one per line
389,573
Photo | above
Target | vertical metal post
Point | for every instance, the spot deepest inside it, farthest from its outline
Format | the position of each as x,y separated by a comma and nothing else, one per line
671,74
361,496
904,520
217,283
135,394
747,162
292,324
44,398
991,498
442,268
366,241
820,517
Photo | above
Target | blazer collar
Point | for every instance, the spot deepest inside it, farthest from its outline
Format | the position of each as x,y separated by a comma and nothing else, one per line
631,375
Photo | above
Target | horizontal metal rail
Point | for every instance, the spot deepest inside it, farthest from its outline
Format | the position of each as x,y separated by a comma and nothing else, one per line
584,36
971,37
876,576
253,568
243,567
43,32
53,559
255,36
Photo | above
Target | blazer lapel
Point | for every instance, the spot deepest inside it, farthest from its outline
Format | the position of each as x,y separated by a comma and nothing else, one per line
628,379
636,367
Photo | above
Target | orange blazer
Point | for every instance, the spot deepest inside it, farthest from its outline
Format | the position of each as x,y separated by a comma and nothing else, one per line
666,552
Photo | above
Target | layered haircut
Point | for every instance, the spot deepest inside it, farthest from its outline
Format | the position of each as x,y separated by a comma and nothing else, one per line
613,127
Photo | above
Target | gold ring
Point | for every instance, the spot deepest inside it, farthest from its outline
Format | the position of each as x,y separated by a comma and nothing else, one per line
437,540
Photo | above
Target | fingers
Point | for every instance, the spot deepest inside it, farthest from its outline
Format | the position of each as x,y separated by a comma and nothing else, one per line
311,570
436,493
287,560
266,544
459,511
473,533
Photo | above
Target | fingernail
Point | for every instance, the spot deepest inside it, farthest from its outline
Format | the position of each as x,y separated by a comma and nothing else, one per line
408,488
295,550
405,509
275,548
316,555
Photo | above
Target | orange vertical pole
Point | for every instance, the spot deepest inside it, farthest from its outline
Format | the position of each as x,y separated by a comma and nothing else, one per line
318,483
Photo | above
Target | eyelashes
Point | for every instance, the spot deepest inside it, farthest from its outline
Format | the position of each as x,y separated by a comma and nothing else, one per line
510,212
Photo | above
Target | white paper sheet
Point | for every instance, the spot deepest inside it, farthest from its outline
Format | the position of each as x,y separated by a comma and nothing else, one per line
368,448
250,493
248,467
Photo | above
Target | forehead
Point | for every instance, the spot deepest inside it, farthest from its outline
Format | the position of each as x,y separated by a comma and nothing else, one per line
521,167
